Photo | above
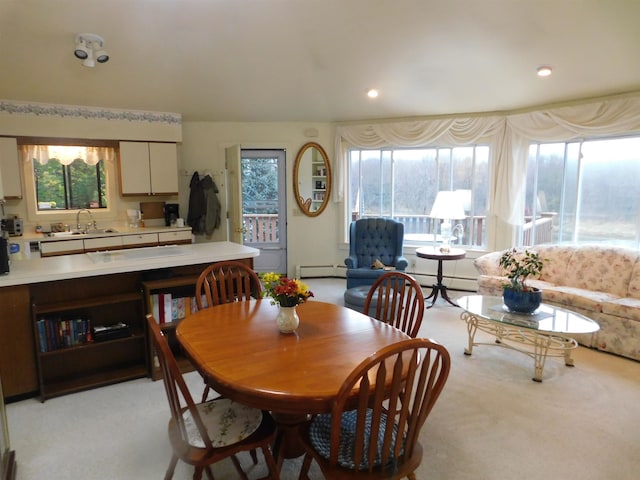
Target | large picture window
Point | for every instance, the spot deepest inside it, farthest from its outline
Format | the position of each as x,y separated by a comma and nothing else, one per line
403,183
583,192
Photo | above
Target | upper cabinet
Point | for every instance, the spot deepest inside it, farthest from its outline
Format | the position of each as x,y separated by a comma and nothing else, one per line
10,171
148,168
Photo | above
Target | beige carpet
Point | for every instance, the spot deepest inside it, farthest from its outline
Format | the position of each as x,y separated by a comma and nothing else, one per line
492,422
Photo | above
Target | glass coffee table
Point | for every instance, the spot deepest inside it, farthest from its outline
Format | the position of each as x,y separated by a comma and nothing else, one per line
541,334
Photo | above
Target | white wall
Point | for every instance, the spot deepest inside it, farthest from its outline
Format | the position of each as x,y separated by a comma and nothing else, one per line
310,240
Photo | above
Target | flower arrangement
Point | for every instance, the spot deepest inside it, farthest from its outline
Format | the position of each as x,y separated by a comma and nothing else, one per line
520,265
287,292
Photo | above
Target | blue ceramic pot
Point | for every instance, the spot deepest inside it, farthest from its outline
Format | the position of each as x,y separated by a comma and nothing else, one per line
521,302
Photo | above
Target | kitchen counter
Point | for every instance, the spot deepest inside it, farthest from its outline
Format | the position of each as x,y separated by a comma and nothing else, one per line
104,286
117,231
36,269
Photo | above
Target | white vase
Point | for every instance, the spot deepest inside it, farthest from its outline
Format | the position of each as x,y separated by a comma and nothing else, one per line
287,319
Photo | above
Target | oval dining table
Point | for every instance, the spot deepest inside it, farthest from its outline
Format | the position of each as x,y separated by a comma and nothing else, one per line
241,354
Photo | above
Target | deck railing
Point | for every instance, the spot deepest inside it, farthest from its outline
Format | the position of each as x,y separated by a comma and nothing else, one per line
538,231
260,228
264,228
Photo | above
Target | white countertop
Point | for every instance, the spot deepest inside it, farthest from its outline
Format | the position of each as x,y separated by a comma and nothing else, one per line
118,231
36,269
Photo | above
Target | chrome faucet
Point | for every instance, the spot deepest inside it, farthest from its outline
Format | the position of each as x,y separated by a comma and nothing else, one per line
93,222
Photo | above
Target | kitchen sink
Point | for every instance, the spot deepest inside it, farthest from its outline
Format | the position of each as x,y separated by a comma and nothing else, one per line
95,231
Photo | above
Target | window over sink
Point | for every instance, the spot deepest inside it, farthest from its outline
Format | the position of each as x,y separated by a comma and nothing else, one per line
69,177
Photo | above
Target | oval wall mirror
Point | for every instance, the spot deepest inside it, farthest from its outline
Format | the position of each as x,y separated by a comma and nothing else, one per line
312,179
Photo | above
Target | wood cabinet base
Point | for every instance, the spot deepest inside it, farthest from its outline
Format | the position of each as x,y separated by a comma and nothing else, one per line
28,370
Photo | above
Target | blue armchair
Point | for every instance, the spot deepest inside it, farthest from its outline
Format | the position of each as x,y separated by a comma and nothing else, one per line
371,239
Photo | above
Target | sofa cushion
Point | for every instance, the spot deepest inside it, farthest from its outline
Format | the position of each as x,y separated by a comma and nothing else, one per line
556,259
488,264
601,269
624,308
577,298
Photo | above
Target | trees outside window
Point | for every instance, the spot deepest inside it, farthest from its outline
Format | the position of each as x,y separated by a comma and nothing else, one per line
403,184
70,187
583,192
69,177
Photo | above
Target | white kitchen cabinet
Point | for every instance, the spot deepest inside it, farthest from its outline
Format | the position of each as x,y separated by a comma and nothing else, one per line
174,237
61,247
140,240
10,171
148,168
102,243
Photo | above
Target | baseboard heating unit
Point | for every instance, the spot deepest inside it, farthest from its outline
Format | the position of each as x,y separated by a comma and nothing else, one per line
311,271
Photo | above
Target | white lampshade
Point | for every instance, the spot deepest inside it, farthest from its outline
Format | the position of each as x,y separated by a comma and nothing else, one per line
448,205
465,198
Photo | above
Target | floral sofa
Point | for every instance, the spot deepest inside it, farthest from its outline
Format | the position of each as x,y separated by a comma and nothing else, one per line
600,282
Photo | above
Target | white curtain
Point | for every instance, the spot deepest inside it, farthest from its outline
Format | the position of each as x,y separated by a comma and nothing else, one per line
449,132
67,154
508,135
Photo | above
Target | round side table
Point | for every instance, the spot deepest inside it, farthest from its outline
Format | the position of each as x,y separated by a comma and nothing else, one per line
434,253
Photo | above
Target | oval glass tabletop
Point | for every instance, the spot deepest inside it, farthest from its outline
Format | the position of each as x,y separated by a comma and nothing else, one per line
547,318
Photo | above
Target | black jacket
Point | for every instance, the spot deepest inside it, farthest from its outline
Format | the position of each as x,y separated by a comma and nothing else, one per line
197,205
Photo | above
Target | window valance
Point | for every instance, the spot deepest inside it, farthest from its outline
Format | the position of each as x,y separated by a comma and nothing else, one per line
509,135
67,154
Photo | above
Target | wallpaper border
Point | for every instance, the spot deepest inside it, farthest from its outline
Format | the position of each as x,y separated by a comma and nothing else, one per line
96,113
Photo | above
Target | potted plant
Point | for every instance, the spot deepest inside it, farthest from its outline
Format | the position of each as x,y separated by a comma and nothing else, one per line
519,265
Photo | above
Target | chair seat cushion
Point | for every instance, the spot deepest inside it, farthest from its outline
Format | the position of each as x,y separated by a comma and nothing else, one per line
226,421
320,436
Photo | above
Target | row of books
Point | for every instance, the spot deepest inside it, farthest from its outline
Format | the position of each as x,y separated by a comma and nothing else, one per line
56,333
167,309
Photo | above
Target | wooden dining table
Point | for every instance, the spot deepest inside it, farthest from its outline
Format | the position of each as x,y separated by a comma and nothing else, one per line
241,354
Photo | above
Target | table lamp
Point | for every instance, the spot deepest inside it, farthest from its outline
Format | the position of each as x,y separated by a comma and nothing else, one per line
447,206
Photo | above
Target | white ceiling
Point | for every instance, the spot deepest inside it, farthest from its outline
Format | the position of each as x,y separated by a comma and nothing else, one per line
312,60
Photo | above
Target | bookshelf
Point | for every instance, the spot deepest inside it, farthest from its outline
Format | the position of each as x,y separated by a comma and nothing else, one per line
70,357
319,180
170,300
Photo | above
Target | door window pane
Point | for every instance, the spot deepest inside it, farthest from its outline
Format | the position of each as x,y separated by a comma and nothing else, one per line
260,200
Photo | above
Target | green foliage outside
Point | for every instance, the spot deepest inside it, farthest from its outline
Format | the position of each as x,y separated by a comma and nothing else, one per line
260,185
70,187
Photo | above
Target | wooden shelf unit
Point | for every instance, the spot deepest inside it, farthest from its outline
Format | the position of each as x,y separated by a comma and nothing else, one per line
179,286
319,174
93,364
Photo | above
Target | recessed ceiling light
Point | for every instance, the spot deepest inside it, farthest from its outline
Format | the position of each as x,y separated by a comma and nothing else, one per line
544,71
372,93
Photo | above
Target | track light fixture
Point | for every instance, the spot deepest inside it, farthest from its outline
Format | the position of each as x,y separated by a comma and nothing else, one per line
90,49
